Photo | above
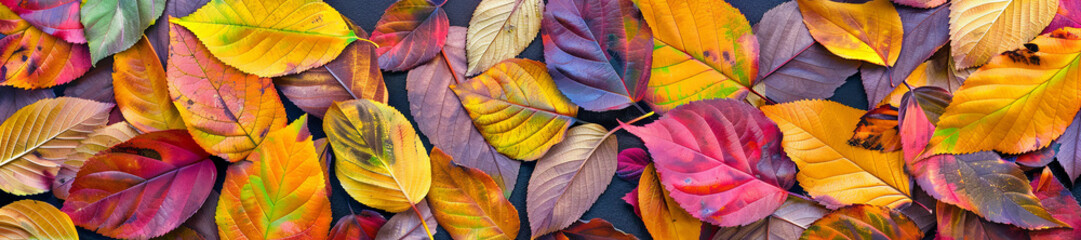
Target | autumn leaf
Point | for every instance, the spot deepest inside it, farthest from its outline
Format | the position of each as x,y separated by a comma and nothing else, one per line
199,226
440,116
874,223
96,84
831,171
920,110
32,59
788,222
568,180
499,30
278,192
159,33
721,160
955,223
381,162
598,52
1069,153
792,66
257,38
1034,159
1054,195
660,213
361,226
1019,102
33,219
1069,15
631,163
407,226
410,33
935,72
920,3
870,31
590,229
11,22
112,26
468,203
55,17
717,58
228,112
516,107
925,34
981,29
12,99
98,140
38,138
141,90
877,130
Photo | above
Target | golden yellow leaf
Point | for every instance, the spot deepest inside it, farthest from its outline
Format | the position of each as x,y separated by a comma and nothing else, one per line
869,31
468,203
32,219
980,29
662,216
141,90
835,173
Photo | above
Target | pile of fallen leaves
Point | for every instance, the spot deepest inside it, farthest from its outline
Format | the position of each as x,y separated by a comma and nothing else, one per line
972,131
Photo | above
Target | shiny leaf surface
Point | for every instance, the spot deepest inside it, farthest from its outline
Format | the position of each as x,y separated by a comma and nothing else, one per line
112,26
410,33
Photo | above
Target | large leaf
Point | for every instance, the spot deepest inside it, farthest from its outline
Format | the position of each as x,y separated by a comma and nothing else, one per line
353,75
980,29
440,116
632,162
141,90
1069,15
227,112
58,18
863,222
869,31
499,30
99,140
833,172
361,226
598,52
1018,102
1069,152
142,188
278,193
517,108
113,26
569,179
590,229
380,161
792,66
713,56
956,223
985,184
270,38
468,203
31,59
1054,195
407,226
32,219
787,223
38,138
925,32
13,99
721,160
660,213
410,33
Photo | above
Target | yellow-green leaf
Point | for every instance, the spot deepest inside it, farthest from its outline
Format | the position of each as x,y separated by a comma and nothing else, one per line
980,29
869,31
32,219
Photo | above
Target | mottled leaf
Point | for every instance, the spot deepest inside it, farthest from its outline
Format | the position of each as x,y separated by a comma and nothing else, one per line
33,219
1034,159
955,223
58,18
468,203
99,140
499,30
31,59
568,180
660,213
362,226
869,31
112,26
878,130
10,22
863,222
792,66
407,226
1054,195
925,32
12,99
980,29
935,72
919,112
631,163
410,33
141,90
787,223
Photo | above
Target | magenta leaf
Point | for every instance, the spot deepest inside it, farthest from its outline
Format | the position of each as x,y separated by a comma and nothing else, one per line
631,198
925,33
790,64
1035,159
1054,195
59,18
721,160
920,109
632,162
410,33
599,52
1069,15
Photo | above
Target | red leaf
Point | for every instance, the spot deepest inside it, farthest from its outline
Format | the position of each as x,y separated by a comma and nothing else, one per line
362,226
593,229
631,163
410,33
59,18
1054,195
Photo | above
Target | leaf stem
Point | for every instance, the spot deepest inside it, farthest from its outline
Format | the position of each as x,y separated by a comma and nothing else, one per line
423,222
632,121
643,111
369,41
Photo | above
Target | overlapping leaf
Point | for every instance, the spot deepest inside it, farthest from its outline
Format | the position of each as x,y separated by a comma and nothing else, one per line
38,138
873,223
407,226
598,52
58,18
956,223
1054,195
31,59
32,219
11,22
980,29
792,66
713,58
141,90
1019,102
440,116
870,31
270,38
920,110
201,225
631,163
833,172
660,213
721,160
788,222
517,108
112,26
925,32
278,193
921,3
468,203
99,140
935,72
1069,15
141,188
353,75
499,30
380,161
13,99
159,32
410,33
362,226
1069,152
96,84
227,112
568,180
878,130
590,229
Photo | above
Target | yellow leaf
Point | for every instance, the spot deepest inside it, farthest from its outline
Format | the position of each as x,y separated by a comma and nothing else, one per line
869,31
468,203
270,38
1020,101
835,173
980,29
499,30
379,159
517,108
141,90
662,216
32,219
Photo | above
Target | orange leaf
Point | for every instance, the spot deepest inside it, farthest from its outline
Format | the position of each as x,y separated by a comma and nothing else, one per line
142,94
32,59
869,31
462,191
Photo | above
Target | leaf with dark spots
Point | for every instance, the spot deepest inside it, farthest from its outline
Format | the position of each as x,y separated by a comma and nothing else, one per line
878,130
52,62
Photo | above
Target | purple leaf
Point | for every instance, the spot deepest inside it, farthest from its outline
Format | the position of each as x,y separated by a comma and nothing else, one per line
410,33
926,30
96,84
1069,15
159,32
1069,153
791,65
1054,195
631,163
12,99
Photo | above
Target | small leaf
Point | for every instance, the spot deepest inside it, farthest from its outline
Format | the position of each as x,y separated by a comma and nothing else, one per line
499,30
406,225
925,32
661,214
591,229
99,140
227,112
863,222
517,108
459,191
1054,195
410,33
833,172
271,38
1034,159
792,66
788,222
598,52
920,3
142,91
877,130
985,184
1069,153
380,161
362,226
278,192
871,31
568,180
55,17
632,162
956,223
32,59
38,138
12,99
918,108
981,29
33,219
112,26
141,188
1069,15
